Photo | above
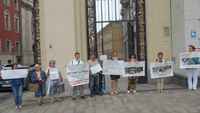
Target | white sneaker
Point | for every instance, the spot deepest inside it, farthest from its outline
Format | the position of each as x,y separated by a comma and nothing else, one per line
194,88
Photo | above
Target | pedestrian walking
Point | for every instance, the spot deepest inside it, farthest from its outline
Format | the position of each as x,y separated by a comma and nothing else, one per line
39,78
17,89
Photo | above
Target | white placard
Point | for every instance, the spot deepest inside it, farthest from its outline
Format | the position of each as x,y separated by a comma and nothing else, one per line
135,69
190,60
7,68
78,74
103,57
161,70
54,74
114,67
96,68
14,74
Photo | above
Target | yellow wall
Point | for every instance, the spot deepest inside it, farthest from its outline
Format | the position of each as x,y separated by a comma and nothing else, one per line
63,27
157,18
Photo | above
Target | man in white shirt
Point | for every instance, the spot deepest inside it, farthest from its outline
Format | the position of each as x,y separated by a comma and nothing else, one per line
77,90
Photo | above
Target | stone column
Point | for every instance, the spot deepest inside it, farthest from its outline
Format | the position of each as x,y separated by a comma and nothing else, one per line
63,30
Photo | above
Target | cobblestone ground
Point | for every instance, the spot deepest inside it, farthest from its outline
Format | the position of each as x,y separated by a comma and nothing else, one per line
174,100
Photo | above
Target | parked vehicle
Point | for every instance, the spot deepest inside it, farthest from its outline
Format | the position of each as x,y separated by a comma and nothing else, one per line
5,84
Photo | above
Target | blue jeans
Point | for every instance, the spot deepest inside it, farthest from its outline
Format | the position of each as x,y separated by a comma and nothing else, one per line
94,84
17,92
102,84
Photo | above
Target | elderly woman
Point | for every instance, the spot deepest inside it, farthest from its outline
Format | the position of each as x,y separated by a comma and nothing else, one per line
55,80
39,77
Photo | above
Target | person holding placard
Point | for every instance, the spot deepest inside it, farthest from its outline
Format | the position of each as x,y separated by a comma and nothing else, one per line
54,81
114,78
77,90
160,81
132,81
17,89
39,78
192,73
95,70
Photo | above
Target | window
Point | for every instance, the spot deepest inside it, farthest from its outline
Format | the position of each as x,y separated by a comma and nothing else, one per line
8,46
17,24
7,21
16,2
17,47
6,3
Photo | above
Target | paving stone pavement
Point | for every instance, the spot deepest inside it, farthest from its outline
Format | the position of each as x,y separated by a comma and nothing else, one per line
175,99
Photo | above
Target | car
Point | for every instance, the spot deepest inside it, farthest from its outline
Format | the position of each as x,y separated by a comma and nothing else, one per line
5,84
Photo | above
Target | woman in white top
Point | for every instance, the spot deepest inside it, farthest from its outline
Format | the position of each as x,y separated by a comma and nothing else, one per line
94,77
114,78
55,81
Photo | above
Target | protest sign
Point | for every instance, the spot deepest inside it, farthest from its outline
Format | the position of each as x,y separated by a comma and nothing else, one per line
96,69
161,70
113,67
190,60
78,74
54,74
136,69
103,57
14,74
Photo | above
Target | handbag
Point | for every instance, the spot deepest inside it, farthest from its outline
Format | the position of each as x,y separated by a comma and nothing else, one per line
33,87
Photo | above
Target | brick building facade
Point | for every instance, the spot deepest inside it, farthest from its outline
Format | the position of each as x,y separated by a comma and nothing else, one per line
10,31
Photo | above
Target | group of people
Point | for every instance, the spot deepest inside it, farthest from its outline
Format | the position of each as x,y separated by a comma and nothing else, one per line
41,79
